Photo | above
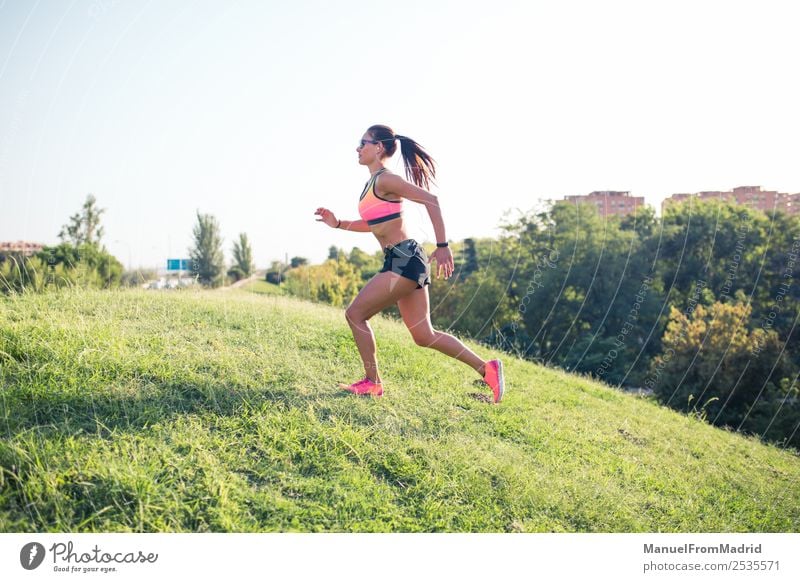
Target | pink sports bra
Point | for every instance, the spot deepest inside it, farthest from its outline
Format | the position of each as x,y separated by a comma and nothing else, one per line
375,209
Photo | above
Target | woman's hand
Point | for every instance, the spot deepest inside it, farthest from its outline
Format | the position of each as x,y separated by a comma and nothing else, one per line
444,261
327,217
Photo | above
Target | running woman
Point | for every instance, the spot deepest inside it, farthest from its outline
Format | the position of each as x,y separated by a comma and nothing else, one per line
406,270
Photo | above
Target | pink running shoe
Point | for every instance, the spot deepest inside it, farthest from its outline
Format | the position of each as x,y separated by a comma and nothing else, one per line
365,387
493,376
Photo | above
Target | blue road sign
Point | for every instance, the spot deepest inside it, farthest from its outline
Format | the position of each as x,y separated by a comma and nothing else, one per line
179,264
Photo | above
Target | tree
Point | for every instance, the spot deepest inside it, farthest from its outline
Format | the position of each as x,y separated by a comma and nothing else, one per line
368,265
472,306
580,290
333,252
242,259
643,220
86,265
470,257
334,282
84,226
713,361
276,273
359,258
208,263
298,261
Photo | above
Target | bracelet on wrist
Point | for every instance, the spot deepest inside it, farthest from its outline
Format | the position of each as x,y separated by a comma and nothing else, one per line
338,223
442,245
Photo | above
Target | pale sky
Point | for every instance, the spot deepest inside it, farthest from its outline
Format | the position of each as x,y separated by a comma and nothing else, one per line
251,111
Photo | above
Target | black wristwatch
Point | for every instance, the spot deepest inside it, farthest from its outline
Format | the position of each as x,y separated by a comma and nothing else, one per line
442,245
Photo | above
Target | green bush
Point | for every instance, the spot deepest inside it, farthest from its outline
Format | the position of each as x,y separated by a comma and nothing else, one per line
62,266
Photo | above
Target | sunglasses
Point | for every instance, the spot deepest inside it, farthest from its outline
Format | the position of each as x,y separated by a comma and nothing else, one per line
364,142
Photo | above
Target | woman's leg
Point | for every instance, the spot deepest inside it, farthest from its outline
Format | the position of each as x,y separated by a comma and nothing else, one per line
415,309
383,290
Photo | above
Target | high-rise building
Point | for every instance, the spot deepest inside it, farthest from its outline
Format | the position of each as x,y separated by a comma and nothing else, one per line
752,196
609,202
25,248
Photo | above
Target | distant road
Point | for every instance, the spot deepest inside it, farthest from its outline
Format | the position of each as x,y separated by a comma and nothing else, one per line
240,282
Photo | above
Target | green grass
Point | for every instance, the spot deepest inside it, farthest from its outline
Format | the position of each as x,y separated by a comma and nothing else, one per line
207,411
262,287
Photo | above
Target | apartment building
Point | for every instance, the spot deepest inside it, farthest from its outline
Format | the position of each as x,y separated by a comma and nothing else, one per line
752,196
25,248
609,202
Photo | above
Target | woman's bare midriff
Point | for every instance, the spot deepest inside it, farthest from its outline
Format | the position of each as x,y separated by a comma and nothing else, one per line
390,232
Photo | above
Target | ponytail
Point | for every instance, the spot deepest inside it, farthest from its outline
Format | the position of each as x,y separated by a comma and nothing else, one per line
419,165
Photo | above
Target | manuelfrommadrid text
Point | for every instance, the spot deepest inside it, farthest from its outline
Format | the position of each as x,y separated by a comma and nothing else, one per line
693,549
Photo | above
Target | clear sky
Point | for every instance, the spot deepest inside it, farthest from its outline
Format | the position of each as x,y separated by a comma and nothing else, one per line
251,111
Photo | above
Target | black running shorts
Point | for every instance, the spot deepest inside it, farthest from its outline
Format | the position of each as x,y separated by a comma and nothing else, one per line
408,259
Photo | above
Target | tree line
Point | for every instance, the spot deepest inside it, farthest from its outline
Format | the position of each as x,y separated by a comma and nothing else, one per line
698,307
82,260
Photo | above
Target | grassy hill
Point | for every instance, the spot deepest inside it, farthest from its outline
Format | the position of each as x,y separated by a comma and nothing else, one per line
209,411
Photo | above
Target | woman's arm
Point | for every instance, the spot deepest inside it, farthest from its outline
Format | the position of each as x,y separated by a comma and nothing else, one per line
330,219
444,256
396,185
354,225
436,219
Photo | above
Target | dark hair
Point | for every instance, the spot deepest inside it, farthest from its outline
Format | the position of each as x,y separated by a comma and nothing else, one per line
420,166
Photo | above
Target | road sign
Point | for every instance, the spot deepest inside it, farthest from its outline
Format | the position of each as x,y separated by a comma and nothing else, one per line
179,264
